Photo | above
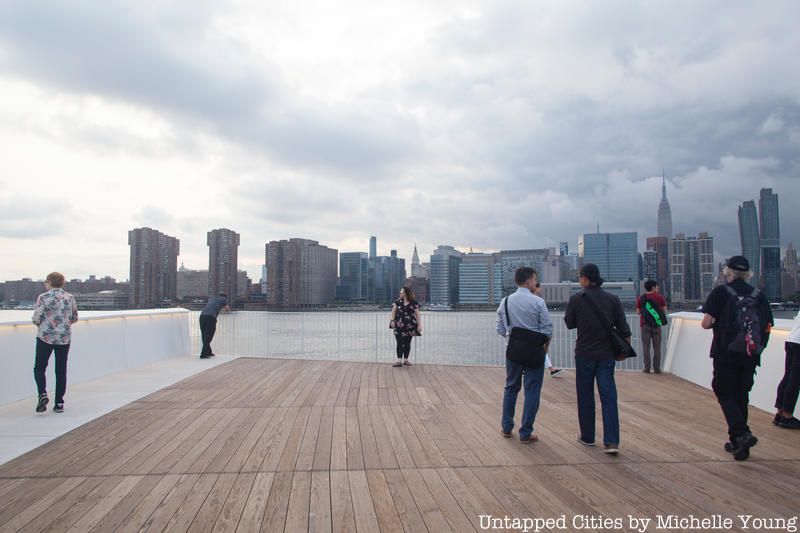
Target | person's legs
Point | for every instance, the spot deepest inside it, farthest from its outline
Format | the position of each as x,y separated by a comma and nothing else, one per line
607,388
792,377
398,349
43,351
646,348
724,384
204,335
62,350
532,379
212,328
584,385
787,369
656,335
406,346
513,383
746,371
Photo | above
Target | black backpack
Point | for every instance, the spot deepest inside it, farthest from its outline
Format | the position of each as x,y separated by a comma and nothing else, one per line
651,313
743,326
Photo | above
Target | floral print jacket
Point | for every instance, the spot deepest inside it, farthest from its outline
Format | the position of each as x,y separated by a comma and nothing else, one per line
55,312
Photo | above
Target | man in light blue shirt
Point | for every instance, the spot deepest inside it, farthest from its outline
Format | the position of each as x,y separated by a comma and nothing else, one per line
529,313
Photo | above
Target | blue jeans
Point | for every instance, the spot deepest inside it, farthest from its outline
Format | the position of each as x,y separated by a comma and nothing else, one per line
516,376
586,372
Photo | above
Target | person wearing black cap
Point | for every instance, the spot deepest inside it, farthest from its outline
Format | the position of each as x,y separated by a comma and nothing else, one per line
741,319
595,359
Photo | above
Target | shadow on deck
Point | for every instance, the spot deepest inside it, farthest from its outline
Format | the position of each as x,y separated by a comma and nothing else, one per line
281,445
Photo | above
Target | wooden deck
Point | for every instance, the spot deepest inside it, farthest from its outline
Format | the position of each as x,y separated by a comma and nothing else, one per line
276,445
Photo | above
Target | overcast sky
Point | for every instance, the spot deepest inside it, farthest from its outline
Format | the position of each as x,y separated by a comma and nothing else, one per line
490,125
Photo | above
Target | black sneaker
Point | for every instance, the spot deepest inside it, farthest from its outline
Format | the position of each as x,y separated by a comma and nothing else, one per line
41,407
776,420
742,445
205,356
58,408
789,423
729,447
556,371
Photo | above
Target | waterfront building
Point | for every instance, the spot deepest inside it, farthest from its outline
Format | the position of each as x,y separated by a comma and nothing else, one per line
750,238
554,269
153,268
476,279
615,254
373,247
693,274
242,285
790,260
223,263
23,291
511,260
770,241
386,276
558,294
300,273
444,271
191,284
650,265
102,301
353,277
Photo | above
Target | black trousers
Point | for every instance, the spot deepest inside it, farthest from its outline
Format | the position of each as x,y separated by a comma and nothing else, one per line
208,326
43,351
789,387
734,374
403,345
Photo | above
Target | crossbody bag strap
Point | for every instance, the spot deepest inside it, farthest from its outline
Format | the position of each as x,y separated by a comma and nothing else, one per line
600,316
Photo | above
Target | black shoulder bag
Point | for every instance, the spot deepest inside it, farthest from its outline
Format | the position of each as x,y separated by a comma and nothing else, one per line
622,348
525,347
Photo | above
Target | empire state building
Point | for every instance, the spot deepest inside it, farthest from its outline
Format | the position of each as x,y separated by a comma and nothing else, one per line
664,213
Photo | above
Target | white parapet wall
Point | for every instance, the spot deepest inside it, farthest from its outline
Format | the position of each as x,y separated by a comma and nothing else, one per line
102,343
688,349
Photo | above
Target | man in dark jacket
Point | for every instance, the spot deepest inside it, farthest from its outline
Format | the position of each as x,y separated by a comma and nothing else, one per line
208,322
734,369
595,357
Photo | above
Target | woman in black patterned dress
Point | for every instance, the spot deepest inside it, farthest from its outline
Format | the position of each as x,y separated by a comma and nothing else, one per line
406,324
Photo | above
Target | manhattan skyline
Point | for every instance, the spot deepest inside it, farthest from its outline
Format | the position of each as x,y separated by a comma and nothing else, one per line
484,126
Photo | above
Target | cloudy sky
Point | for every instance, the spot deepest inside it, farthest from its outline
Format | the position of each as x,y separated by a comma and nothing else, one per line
489,125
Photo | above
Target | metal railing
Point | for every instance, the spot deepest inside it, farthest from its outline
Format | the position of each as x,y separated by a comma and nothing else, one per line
458,338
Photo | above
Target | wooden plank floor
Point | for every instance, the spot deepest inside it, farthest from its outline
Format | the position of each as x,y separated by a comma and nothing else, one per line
277,445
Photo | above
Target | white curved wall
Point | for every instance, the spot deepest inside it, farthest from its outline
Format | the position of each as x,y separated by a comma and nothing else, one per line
102,343
687,356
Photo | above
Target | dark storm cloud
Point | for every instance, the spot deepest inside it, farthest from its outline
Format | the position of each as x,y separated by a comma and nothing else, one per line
161,61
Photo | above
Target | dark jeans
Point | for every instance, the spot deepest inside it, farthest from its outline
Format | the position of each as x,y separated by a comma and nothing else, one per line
587,371
208,326
734,374
651,334
403,345
517,376
789,386
43,351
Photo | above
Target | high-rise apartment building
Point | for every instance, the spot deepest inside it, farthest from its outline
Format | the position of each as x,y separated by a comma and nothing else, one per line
300,273
650,265
692,264
769,222
563,248
444,271
750,238
790,260
615,254
223,263
664,213
476,279
660,245
153,268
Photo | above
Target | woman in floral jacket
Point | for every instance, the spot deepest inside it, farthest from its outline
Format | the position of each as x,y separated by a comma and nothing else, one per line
55,312
406,324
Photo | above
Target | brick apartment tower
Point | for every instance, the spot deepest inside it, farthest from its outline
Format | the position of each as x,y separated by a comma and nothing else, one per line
154,268
300,273
223,262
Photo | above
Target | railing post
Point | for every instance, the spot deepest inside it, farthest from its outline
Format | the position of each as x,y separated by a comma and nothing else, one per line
338,335
302,332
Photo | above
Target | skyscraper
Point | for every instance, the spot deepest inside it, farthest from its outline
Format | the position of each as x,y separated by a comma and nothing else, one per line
373,246
300,273
750,238
444,270
511,260
660,245
223,263
769,222
417,270
353,277
692,266
153,268
386,276
476,279
664,212
615,254
790,260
